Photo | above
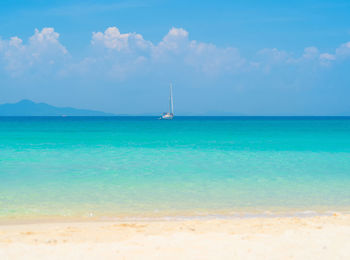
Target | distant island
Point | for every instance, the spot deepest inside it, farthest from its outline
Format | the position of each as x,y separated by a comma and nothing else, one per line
30,108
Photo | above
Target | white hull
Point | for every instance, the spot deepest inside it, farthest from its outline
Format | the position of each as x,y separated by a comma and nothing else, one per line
167,116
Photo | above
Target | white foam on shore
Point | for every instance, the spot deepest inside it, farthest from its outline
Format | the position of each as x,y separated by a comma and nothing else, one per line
302,214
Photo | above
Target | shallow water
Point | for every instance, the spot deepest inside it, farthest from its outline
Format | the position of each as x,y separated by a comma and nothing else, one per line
141,166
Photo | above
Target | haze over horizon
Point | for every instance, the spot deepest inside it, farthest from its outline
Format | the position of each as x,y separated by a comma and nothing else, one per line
231,57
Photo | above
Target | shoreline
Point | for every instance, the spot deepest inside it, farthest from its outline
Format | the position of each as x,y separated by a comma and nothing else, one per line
18,220
314,237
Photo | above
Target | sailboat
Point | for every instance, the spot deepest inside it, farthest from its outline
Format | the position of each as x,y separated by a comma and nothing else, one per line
170,114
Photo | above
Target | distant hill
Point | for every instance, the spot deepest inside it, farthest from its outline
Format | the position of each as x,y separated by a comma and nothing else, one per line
30,108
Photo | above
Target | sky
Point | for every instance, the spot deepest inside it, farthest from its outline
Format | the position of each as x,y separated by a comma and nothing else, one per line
223,57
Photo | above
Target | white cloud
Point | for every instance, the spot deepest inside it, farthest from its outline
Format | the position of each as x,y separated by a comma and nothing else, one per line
176,41
46,39
343,51
43,49
327,56
274,55
203,57
213,60
266,59
16,42
116,54
120,55
112,39
127,51
310,53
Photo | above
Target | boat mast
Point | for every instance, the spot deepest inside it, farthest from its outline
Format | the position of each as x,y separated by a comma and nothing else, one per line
171,103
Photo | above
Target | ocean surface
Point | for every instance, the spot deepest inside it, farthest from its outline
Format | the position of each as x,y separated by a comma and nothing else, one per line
112,167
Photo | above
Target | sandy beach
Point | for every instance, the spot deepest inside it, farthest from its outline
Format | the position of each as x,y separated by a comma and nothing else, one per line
322,237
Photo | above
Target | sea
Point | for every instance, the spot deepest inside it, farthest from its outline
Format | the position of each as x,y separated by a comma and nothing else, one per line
142,167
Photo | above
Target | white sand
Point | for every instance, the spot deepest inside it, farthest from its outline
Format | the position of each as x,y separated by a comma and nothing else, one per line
257,238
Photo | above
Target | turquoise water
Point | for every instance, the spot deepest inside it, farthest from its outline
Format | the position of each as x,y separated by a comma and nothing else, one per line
141,166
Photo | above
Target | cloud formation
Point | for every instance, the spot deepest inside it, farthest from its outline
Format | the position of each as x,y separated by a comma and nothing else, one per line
112,39
42,52
119,55
204,57
343,51
130,50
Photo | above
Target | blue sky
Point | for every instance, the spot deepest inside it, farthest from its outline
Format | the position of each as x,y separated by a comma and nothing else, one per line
224,57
